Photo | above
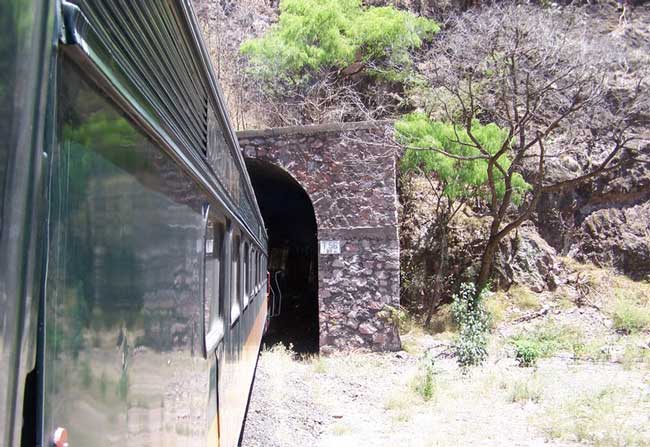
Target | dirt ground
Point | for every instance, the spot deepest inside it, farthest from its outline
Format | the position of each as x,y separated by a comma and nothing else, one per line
592,387
369,400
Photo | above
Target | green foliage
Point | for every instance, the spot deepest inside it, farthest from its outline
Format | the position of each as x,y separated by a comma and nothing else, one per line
549,339
425,383
386,31
316,34
630,317
473,324
398,316
527,352
433,145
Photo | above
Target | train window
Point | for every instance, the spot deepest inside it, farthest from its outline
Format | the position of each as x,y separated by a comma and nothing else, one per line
251,268
253,271
259,269
235,306
240,277
214,279
247,274
252,284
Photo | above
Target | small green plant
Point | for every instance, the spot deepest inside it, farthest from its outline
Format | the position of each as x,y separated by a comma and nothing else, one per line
398,316
473,323
525,390
319,365
527,352
425,383
548,339
630,318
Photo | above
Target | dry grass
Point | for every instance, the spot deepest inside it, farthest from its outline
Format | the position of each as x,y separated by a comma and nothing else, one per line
591,384
524,299
609,416
526,389
551,338
625,300
497,305
443,322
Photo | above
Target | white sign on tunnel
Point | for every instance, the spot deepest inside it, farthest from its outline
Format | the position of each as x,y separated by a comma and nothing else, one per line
330,247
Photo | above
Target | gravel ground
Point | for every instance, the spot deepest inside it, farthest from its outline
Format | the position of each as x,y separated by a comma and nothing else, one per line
368,399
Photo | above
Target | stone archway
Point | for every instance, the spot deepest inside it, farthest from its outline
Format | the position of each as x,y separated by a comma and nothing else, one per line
350,178
293,255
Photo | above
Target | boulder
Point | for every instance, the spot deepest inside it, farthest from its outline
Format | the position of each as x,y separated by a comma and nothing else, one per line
527,259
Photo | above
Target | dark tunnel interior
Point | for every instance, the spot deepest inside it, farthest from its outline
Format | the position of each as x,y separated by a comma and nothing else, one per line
293,256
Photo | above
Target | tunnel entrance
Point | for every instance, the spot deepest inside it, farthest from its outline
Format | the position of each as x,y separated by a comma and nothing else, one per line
293,256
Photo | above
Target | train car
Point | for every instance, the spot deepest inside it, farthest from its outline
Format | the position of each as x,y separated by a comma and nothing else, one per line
133,285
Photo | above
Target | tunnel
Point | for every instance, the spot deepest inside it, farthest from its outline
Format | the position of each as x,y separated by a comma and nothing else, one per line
293,256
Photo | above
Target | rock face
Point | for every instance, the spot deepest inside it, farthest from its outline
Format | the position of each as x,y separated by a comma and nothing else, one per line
526,258
617,237
351,183
605,222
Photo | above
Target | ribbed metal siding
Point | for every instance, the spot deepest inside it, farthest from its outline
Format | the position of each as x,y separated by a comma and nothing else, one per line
150,45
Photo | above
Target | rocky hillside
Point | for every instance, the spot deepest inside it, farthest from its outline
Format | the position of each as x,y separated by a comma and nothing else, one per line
606,222
225,25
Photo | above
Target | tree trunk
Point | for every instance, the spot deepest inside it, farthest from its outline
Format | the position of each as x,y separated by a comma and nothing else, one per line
486,264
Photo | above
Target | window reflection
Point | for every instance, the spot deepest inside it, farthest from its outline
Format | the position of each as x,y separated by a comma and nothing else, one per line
123,287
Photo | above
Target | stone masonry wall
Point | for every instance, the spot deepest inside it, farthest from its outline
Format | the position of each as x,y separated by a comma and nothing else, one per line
350,178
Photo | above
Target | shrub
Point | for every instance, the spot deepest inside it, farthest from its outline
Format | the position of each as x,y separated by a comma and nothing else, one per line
526,352
325,34
473,324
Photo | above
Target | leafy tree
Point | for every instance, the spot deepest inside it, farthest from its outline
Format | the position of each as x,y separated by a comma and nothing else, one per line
445,154
320,49
543,79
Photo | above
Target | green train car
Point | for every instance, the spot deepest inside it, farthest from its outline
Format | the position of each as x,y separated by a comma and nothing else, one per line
133,285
